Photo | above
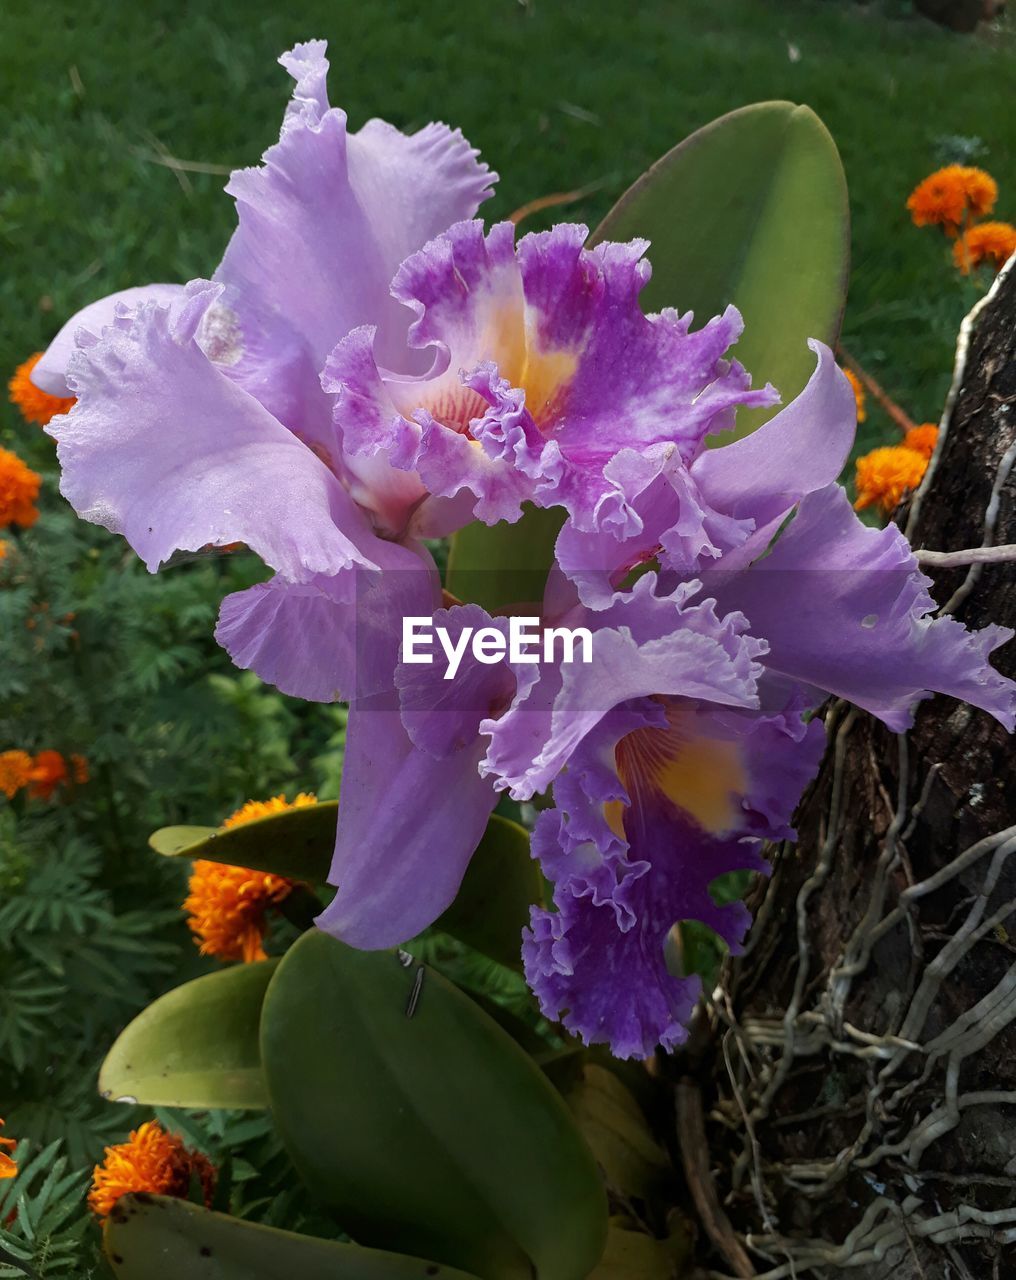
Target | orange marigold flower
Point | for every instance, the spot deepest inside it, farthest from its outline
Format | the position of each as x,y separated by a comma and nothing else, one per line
991,242
48,771
150,1160
15,770
19,487
254,809
922,439
228,905
35,404
7,1166
41,774
228,909
949,197
885,475
3,550
859,395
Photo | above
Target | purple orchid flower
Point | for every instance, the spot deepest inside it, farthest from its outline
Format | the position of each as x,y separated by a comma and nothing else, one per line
687,741
323,225
201,421
368,368
543,368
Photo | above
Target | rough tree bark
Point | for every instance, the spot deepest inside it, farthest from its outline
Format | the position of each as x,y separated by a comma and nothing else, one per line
861,1057
960,15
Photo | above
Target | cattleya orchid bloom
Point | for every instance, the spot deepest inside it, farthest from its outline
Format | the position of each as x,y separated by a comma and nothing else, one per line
688,739
544,369
201,420
368,367
200,417
323,225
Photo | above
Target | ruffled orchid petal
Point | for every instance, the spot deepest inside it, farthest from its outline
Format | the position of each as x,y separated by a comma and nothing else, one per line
409,822
379,480
166,450
328,217
647,817
330,639
295,636
724,509
254,346
669,520
50,374
259,350
801,449
644,645
845,609
466,290
635,380
543,367
613,987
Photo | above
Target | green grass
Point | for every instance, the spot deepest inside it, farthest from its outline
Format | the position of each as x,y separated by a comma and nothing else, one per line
557,93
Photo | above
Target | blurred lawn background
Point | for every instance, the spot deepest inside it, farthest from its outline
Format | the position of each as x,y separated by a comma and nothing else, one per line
558,94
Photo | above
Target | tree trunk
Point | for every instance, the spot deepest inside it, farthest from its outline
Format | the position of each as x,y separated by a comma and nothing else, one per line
959,15
861,1057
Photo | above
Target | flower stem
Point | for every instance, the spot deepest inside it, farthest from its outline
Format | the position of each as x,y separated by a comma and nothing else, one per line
898,415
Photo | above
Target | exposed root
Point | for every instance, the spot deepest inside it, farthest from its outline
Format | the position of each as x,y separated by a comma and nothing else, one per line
691,1131
910,1094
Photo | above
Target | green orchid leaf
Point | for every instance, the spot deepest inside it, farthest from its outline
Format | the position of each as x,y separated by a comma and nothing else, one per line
520,1031
171,841
501,883
750,210
296,843
421,1122
197,1046
633,1255
155,1238
506,564
612,1123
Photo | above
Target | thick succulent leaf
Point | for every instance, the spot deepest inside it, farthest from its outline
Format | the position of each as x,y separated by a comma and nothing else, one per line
170,841
296,843
520,1031
504,564
750,210
197,1046
612,1123
633,1255
423,1124
155,1238
501,883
